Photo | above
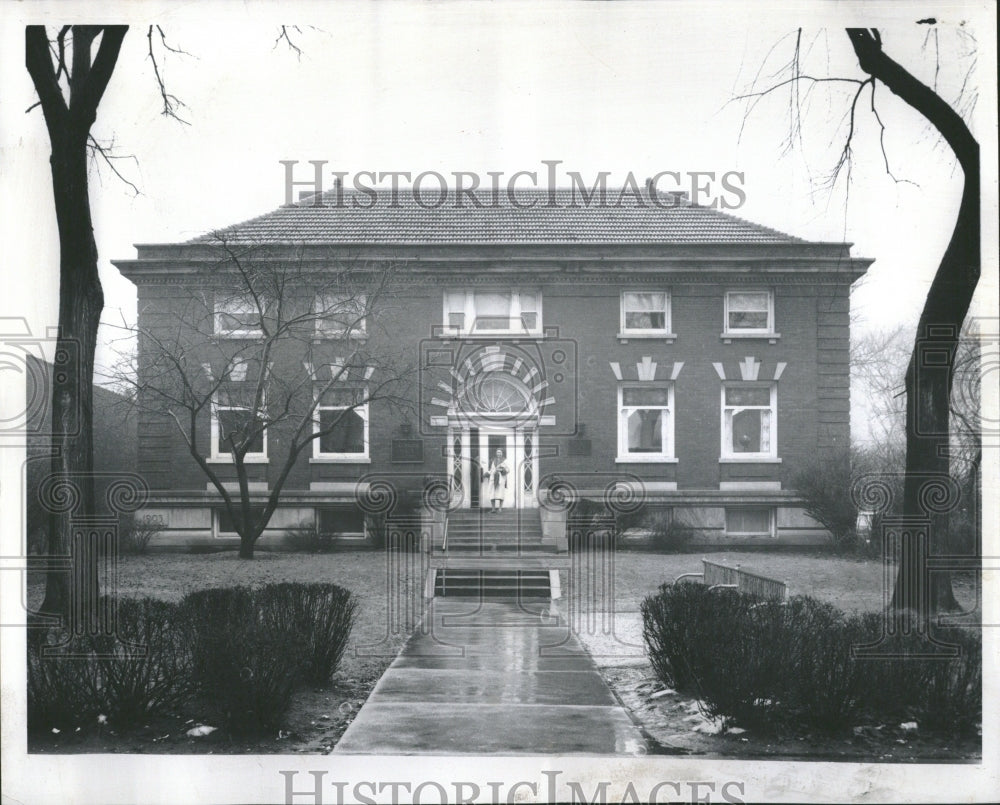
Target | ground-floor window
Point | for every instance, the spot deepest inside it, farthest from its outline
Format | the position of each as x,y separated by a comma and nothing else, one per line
645,422
747,521
748,420
341,521
224,524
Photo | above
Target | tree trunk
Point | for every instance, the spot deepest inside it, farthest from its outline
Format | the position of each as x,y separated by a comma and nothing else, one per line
246,546
928,378
81,298
928,395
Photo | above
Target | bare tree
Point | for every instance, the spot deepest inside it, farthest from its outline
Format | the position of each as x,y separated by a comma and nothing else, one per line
928,380
264,357
70,80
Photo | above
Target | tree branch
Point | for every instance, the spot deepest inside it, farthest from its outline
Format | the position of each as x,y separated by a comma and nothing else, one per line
171,103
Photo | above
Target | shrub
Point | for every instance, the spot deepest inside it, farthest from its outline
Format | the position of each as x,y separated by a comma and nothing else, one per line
307,537
319,615
670,535
141,670
146,666
764,664
244,664
136,535
250,647
825,489
939,692
588,523
64,687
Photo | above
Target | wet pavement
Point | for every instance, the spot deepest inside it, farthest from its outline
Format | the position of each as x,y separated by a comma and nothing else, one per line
492,677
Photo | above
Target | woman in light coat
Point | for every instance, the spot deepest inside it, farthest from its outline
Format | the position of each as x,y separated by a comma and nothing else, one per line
496,481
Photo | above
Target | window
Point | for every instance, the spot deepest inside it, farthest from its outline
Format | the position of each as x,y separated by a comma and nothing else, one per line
224,526
237,317
341,315
645,422
493,311
748,521
342,421
749,420
645,313
232,423
342,520
749,312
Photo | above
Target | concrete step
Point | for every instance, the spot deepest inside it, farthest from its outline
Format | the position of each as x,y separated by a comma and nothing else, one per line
501,583
488,547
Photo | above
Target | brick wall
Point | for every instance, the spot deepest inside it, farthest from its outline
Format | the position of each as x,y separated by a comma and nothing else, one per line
812,399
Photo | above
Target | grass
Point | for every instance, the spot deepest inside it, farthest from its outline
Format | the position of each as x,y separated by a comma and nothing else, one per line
388,597
601,597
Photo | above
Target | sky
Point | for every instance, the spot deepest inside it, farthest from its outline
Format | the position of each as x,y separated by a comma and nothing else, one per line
633,86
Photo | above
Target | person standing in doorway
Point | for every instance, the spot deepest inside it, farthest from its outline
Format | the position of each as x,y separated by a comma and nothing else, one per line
496,479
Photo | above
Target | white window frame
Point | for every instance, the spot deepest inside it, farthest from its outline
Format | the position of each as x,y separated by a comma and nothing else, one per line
345,458
232,306
666,455
727,453
328,300
665,331
469,319
758,331
771,522
222,456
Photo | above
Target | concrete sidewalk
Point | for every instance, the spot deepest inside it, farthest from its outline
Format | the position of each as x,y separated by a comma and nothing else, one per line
492,677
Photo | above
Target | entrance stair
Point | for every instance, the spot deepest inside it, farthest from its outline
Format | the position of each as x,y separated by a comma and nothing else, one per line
495,556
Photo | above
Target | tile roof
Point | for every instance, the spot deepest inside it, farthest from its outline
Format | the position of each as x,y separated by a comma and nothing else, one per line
532,216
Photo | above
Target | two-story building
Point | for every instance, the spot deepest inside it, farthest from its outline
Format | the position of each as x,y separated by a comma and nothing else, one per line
614,349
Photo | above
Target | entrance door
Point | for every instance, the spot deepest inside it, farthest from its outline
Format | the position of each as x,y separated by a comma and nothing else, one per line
518,452
472,450
504,485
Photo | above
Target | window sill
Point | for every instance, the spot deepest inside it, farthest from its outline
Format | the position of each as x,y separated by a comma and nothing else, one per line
646,460
229,460
341,460
241,336
507,335
728,338
750,460
667,338
319,338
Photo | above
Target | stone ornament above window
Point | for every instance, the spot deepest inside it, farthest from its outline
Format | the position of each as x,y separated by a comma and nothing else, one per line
750,369
647,370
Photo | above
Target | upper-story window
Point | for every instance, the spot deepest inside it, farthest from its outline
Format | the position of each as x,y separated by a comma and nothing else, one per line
341,315
237,317
645,313
749,312
488,312
749,420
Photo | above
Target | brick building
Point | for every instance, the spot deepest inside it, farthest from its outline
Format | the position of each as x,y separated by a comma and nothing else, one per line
629,351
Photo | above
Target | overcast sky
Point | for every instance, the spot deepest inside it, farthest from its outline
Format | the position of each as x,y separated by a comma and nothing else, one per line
641,87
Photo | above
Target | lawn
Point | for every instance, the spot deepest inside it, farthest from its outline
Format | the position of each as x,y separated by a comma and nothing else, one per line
602,593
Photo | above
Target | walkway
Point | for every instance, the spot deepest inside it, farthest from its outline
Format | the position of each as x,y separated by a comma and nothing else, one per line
494,677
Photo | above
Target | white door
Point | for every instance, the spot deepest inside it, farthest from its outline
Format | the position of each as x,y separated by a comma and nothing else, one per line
518,453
